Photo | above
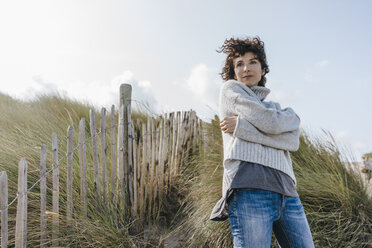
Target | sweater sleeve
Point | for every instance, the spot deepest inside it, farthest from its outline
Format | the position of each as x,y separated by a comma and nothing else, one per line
267,120
288,141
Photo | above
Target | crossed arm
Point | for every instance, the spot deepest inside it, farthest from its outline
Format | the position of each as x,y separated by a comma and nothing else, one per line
243,129
261,123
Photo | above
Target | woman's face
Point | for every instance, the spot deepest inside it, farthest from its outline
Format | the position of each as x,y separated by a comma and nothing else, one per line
248,69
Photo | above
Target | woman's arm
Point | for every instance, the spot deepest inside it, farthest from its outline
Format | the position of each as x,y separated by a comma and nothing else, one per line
288,141
267,120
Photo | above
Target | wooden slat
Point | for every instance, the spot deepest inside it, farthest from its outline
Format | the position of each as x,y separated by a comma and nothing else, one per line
139,168
70,153
153,140
55,222
178,143
103,154
83,168
130,161
43,188
194,132
21,218
152,165
157,142
165,154
121,159
4,208
148,161
93,134
183,137
143,172
161,161
173,127
113,155
135,174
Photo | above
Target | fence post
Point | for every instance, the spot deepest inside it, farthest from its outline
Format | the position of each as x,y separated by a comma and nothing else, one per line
103,154
143,173
83,168
158,169
165,164
125,101
148,167
93,134
70,148
113,155
4,208
135,177
55,227
173,127
130,163
178,143
157,159
152,166
21,219
43,188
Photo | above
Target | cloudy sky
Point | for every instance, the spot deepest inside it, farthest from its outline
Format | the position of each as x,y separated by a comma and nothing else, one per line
318,52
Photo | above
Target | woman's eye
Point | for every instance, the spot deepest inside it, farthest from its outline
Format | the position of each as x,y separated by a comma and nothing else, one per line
239,64
253,62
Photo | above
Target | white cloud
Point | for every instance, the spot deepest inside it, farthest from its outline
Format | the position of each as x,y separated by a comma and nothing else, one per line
323,63
199,91
204,84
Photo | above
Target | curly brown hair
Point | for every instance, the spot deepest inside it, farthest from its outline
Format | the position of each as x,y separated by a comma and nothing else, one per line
235,47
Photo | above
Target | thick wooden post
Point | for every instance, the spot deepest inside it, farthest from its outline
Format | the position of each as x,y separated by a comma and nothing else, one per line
43,188
125,101
70,154
4,208
93,134
55,227
21,219
83,168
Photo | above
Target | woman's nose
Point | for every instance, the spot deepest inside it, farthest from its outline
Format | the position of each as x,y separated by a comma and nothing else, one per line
245,68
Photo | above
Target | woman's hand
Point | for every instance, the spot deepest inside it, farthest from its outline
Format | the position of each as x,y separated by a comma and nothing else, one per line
228,124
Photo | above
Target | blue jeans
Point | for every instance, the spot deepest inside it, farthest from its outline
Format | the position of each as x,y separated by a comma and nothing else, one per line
254,214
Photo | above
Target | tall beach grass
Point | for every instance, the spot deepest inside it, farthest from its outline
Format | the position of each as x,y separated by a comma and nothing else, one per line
24,127
334,197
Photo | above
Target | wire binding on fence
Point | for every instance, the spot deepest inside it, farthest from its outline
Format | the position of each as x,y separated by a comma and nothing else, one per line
47,172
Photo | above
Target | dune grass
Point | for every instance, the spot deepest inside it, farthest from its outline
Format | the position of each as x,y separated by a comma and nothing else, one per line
335,198
24,127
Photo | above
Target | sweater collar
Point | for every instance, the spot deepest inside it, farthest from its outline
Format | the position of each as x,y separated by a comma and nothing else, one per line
260,91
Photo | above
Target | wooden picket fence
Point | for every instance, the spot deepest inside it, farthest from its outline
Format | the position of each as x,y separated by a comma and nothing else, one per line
146,158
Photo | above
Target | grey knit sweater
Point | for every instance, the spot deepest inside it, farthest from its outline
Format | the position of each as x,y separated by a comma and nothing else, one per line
264,133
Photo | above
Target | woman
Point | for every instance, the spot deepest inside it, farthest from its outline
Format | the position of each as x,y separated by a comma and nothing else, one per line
259,187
